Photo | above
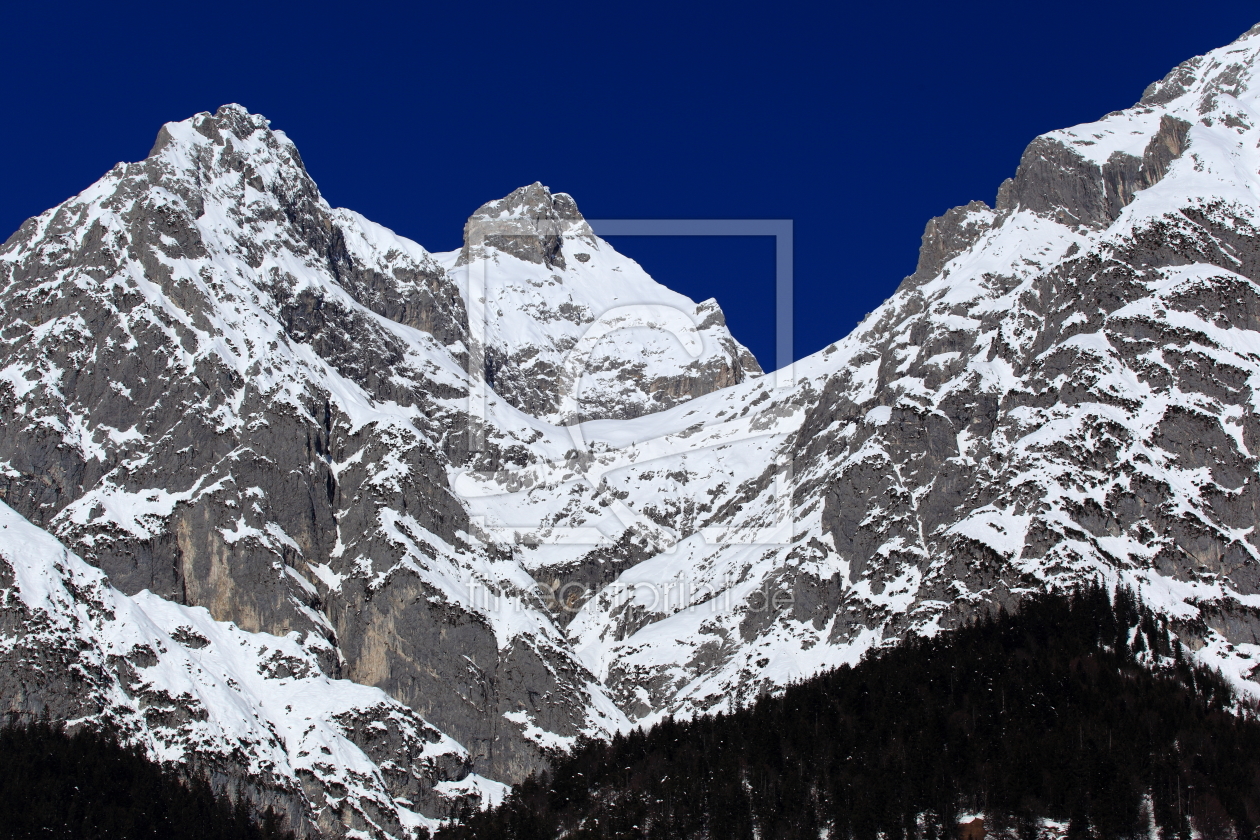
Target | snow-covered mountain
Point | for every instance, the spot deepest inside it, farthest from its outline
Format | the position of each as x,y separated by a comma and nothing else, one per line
226,393
275,422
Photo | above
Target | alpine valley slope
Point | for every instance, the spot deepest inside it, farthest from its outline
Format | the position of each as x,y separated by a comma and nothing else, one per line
260,418
1066,389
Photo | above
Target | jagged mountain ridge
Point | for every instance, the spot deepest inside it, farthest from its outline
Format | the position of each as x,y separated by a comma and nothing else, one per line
220,390
208,467
1063,390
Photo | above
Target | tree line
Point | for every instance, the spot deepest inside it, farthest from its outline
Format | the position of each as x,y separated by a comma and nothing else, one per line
1080,708
85,785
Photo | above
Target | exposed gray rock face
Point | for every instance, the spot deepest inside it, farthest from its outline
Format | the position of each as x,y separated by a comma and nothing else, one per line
252,712
531,224
949,235
1057,181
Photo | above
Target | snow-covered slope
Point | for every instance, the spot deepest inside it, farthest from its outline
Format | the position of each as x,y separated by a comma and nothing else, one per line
229,396
223,392
1064,390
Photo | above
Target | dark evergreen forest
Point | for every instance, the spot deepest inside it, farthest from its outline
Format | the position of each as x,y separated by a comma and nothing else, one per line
85,786
1054,712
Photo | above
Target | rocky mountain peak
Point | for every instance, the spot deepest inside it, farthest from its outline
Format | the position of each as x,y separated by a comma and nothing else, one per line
533,201
1084,177
230,120
233,141
531,223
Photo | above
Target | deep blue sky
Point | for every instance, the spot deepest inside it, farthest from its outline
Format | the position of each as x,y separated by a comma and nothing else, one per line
857,120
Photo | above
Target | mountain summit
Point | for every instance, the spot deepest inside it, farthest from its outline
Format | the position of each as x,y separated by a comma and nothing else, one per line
547,280
531,224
